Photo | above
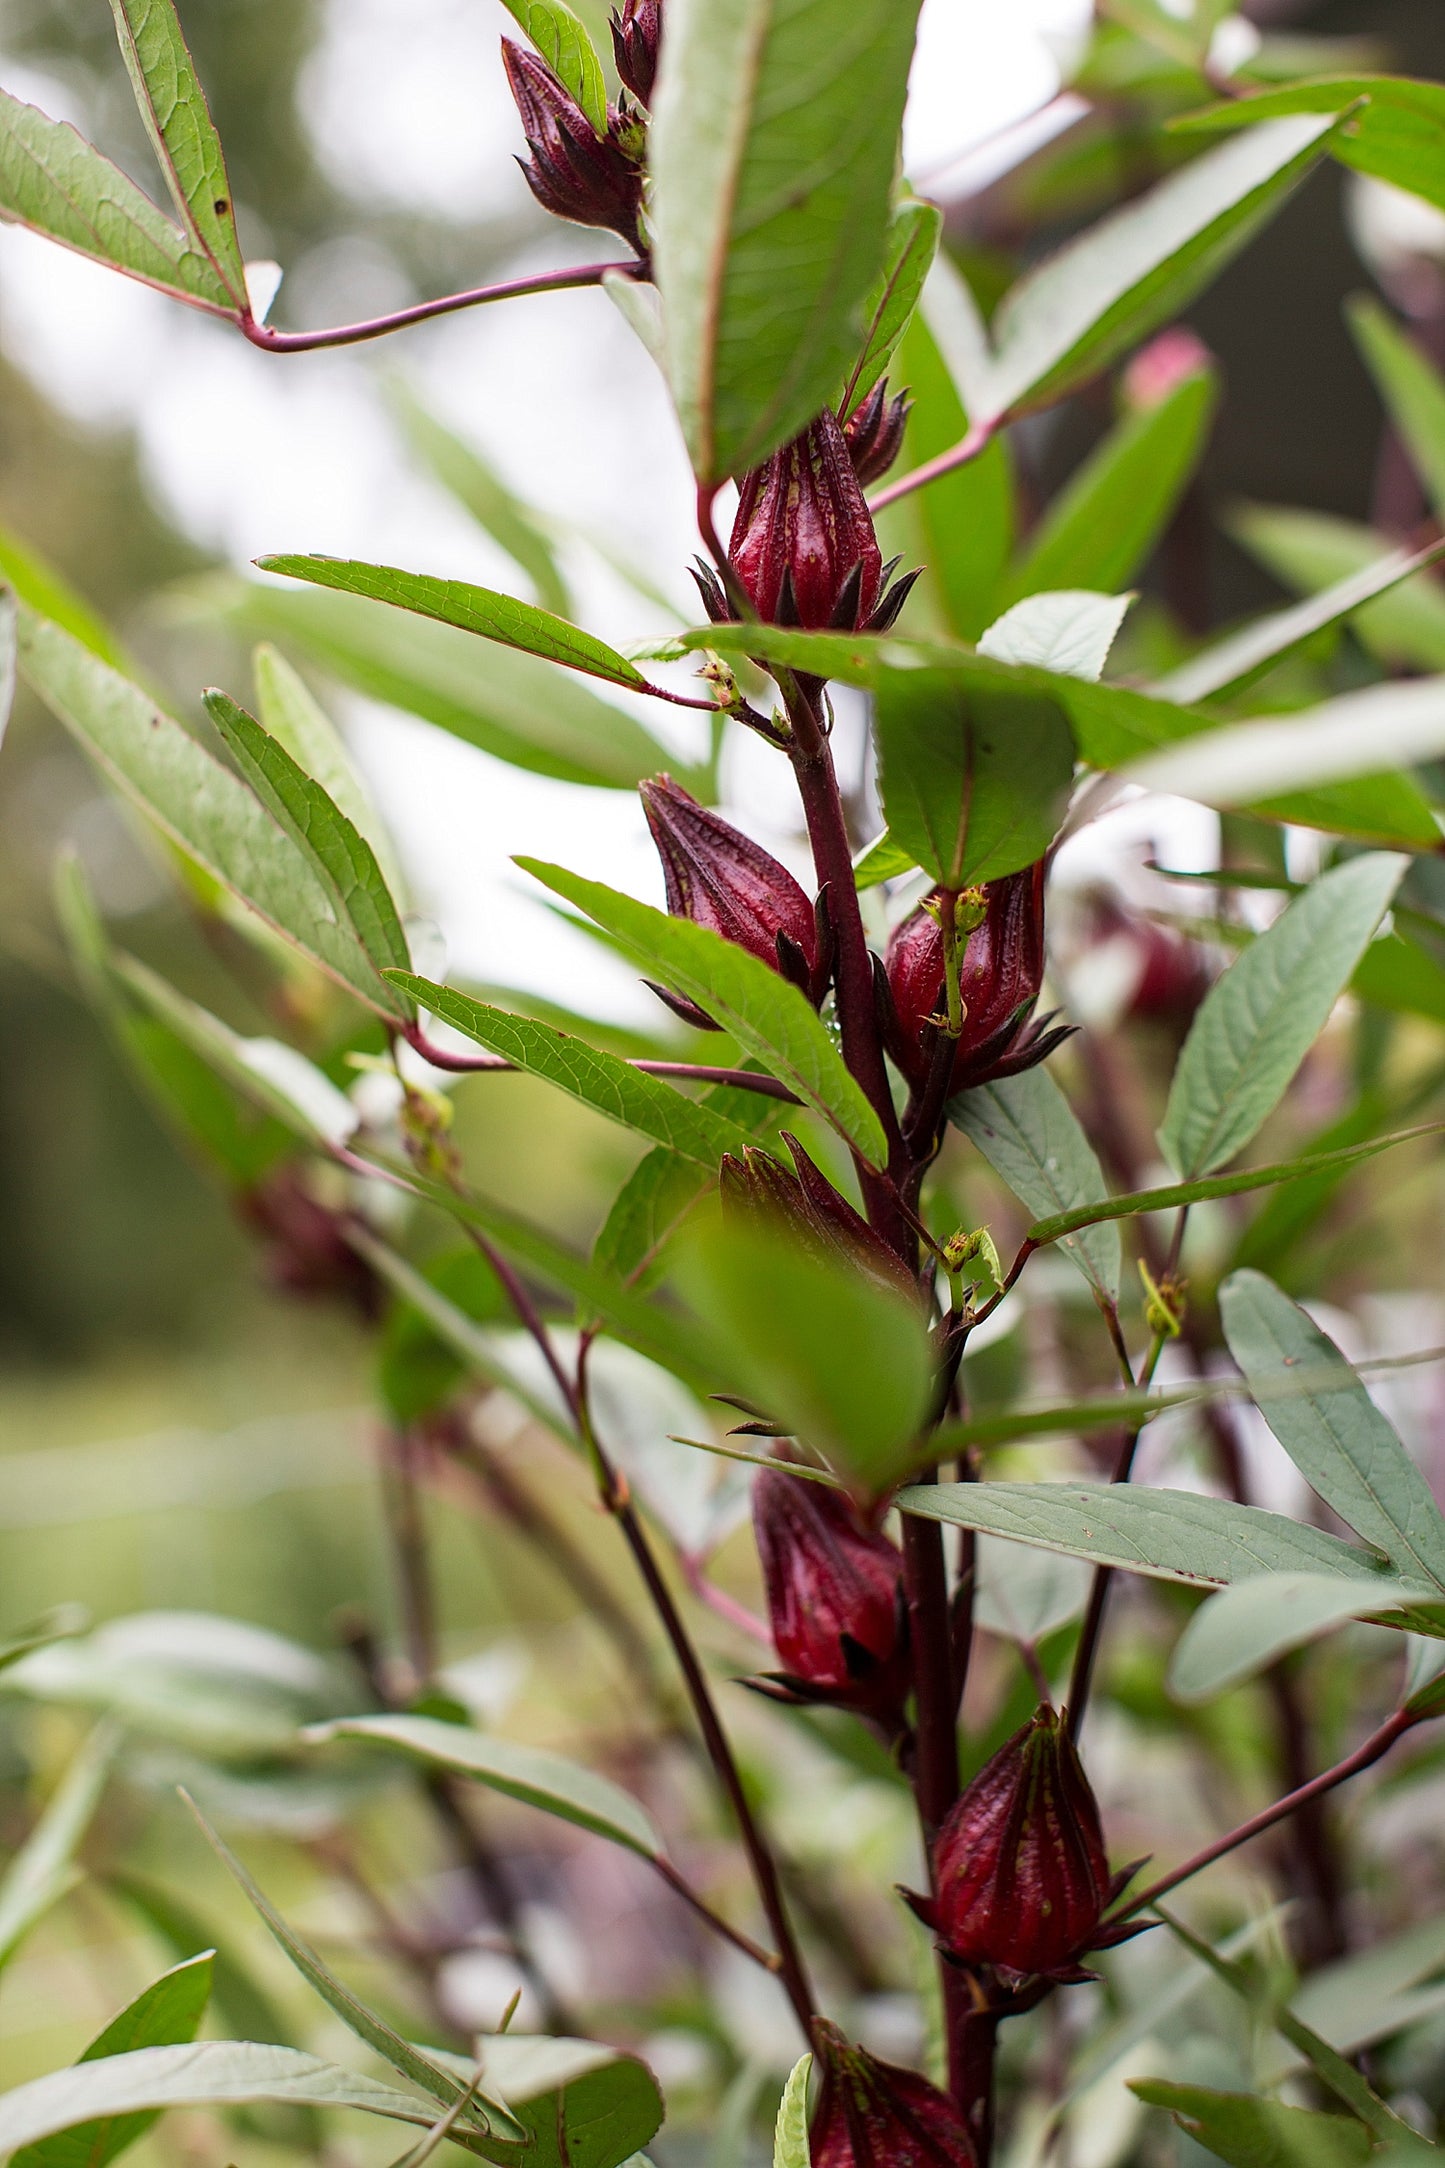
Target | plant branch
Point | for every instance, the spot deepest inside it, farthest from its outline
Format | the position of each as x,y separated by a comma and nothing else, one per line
978,440
687,1072
376,327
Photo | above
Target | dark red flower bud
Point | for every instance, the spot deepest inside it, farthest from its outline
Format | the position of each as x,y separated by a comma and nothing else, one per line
803,543
874,2115
303,1245
835,1600
1167,977
874,433
573,172
1020,1866
1000,975
636,37
720,878
807,1207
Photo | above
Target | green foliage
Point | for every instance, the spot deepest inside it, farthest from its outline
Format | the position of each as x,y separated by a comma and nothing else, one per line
568,51
790,2142
1031,1137
182,134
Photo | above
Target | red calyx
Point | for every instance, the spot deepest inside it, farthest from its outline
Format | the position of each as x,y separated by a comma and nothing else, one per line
806,1207
304,1248
573,172
835,1601
1000,975
1020,1867
870,2113
720,878
873,433
636,39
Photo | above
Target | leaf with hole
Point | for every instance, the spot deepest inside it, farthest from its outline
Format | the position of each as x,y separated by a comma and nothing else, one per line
183,135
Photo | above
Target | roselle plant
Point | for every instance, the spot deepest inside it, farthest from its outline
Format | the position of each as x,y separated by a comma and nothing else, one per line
787,1259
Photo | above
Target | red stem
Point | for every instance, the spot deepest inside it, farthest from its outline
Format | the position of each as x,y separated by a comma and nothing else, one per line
376,327
749,1080
978,440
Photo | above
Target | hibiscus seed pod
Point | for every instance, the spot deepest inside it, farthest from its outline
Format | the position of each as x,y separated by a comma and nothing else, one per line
874,433
870,2113
573,172
720,878
636,38
1020,1868
803,543
835,1600
1000,974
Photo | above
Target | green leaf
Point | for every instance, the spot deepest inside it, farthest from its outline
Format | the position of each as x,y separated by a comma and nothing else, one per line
183,135
198,2074
44,1870
164,2015
58,1624
1363,1998
790,2139
568,51
196,802
538,1779
912,246
290,712
430,2077
1236,662
340,857
518,708
472,609
773,149
56,183
1253,2133
243,2005
883,860
764,1013
598,1079
1345,1449
1137,268
7,658
1103,526
841,1361
581,2104
1312,551
1244,1628
1412,389
1395,136
35,582
974,782
1070,631
663,1188
1031,1137
1168,1534
1260,1019
1373,732
461,469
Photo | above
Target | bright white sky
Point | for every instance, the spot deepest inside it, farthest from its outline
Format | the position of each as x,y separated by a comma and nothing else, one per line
251,453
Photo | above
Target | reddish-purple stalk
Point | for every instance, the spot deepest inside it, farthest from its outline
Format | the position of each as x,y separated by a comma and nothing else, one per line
687,1072
421,312
967,449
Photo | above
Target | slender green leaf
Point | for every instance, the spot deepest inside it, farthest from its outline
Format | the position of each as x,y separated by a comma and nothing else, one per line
912,246
1395,135
1363,1998
883,860
662,1189
1342,1445
790,2139
196,802
1171,1535
1135,269
580,2104
1031,1137
773,150
514,706
1260,1019
199,2074
340,857
472,609
44,1870
178,122
1244,1628
1236,662
562,41
538,1779
291,713
36,582
598,1079
56,183
1252,2133
167,2013
1104,524
430,2077
1070,631
460,468
1373,732
1410,386
7,658
1314,551
974,782
766,1014
838,1359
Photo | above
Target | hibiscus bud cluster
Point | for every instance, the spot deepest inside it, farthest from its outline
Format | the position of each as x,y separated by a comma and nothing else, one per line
835,1601
575,173
636,39
870,2113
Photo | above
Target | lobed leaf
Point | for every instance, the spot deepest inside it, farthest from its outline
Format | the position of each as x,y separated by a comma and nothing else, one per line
183,135
1031,1137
